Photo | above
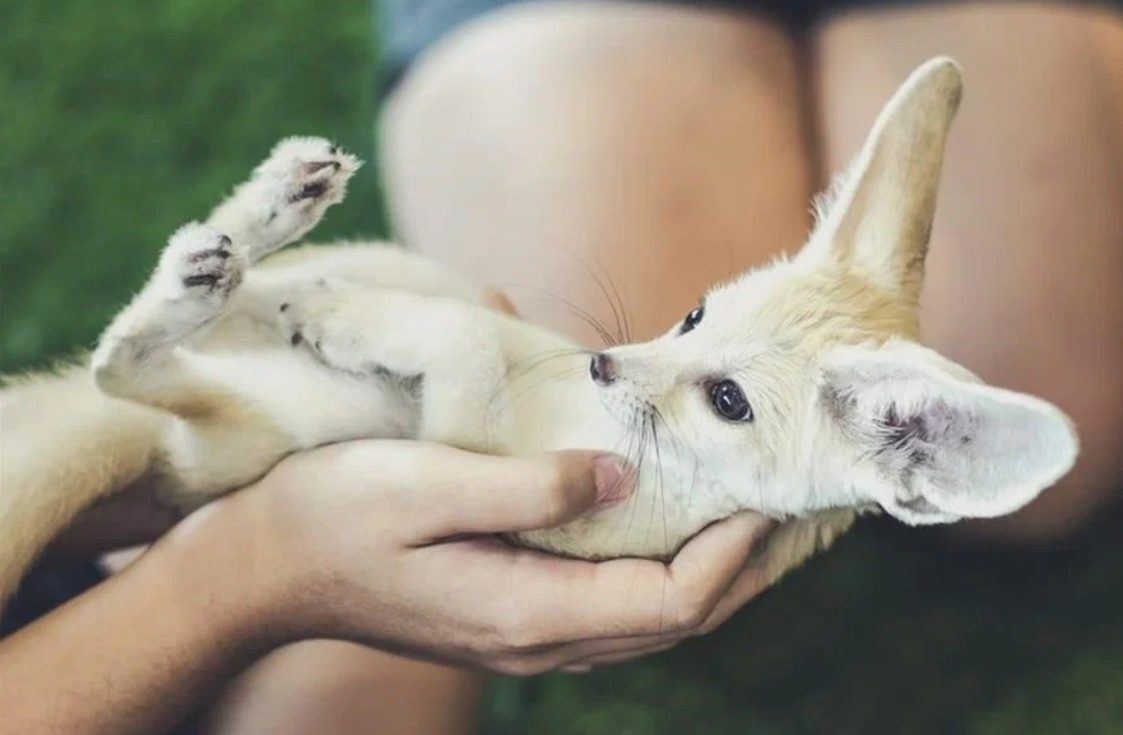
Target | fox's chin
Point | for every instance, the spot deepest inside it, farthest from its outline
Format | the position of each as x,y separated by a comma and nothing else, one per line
628,411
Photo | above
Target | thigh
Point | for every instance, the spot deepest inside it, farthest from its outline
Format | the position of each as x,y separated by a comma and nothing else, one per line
1025,272
661,146
340,688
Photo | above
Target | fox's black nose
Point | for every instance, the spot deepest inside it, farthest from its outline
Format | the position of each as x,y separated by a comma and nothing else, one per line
602,369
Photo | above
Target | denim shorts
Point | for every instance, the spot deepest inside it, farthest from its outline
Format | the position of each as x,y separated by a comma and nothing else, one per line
411,26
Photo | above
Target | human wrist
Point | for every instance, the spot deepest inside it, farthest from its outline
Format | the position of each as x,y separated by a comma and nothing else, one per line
228,576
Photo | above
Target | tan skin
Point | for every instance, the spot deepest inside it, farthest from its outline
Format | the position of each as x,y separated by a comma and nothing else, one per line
676,146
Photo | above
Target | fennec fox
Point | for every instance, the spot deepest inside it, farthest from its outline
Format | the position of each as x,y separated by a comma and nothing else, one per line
798,389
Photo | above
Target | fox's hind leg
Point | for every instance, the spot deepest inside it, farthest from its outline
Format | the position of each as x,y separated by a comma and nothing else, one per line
450,349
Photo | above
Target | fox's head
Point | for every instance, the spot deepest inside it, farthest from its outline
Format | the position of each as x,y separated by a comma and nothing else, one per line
803,381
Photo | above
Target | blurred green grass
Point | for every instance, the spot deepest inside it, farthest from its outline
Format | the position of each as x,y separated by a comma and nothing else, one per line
121,120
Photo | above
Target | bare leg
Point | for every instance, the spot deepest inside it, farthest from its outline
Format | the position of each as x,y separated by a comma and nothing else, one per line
1025,272
340,688
664,142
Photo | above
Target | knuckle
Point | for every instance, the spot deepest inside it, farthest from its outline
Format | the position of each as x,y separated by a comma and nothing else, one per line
557,500
556,507
692,614
518,634
707,626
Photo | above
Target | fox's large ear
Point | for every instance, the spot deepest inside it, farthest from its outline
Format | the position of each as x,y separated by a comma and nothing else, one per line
877,217
935,445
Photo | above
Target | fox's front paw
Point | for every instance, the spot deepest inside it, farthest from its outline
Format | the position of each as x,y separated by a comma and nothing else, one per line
295,186
200,269
306,175
287,195
197,273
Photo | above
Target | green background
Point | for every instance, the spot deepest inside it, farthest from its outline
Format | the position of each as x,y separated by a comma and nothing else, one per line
121,120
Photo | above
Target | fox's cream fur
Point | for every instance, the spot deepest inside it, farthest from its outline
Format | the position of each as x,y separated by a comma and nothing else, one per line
221,366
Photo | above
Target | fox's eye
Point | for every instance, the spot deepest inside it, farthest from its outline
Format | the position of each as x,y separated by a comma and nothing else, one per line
729,401
692,319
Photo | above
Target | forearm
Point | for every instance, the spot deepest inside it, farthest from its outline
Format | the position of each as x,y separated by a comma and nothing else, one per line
145,648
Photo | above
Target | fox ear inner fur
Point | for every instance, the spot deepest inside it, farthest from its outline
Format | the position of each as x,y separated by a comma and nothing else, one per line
933,445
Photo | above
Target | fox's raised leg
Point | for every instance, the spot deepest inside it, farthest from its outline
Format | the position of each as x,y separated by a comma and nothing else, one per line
286,196
138,357
141,358
453,348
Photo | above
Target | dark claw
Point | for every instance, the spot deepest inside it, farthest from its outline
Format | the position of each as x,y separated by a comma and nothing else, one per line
212,253
312,168
208,279
297,338
319,346
310,191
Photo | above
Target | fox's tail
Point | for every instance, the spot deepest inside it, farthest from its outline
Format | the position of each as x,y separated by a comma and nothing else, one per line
63,446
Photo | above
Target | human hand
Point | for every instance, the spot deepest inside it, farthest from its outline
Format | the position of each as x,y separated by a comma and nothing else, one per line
392,544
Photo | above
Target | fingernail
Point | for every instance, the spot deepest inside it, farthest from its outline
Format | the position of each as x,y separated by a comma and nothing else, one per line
612,477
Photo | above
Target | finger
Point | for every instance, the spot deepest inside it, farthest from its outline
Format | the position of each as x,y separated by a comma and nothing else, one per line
542,612
695,566
497,300
750,583
458,492
586,653
610,659
747,584
617,649
577,654
632,597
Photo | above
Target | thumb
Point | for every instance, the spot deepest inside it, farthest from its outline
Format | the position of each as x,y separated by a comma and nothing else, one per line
501,494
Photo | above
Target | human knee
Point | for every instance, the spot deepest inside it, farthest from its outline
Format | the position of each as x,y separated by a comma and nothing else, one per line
491,75
582,71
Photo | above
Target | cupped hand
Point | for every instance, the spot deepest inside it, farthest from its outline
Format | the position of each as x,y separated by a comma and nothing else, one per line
394,544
